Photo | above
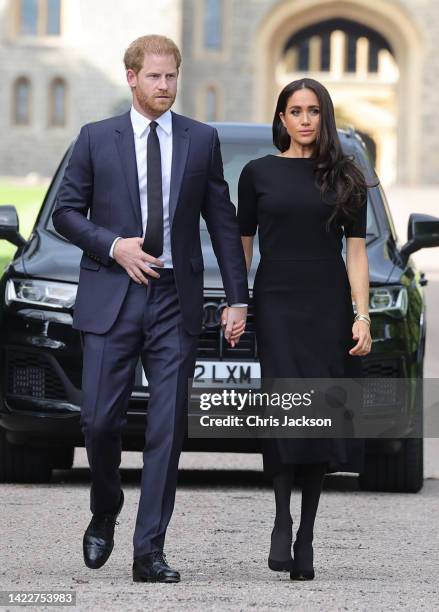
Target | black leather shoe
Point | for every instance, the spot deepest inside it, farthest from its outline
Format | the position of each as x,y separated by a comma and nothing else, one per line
98,539
303,562
153,567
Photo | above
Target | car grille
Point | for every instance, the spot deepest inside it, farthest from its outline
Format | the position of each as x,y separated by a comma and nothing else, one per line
32,375
381,369
386,392
212,344
75,377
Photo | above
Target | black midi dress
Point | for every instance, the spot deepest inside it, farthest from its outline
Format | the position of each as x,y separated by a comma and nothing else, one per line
302,296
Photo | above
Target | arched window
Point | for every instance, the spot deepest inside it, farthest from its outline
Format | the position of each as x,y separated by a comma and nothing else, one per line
39,17
213,24
334,51
21,101
57,105
211,102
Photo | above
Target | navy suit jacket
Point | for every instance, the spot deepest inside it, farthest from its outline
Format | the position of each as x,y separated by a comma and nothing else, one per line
98,200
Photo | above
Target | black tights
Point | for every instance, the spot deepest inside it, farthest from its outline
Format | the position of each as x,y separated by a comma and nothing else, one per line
281,537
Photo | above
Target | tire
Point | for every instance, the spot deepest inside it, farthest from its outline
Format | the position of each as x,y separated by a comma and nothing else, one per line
19,463
62,458
401,472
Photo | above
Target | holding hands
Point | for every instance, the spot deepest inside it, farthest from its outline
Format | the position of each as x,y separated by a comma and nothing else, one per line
233,323
129,254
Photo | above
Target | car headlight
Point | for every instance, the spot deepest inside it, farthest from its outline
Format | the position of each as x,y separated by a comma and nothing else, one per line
391,300
43,293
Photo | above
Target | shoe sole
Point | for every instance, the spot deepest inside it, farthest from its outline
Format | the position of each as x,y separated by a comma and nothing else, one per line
137,578
301,576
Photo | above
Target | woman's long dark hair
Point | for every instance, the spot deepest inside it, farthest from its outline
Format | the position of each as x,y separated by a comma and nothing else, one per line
336,173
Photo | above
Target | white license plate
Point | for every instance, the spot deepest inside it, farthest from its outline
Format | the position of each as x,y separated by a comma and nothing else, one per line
223,373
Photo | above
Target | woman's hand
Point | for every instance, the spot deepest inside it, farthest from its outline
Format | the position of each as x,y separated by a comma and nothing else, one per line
361,332
233,323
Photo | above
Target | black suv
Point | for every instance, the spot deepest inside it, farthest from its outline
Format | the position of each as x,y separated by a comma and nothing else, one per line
41,355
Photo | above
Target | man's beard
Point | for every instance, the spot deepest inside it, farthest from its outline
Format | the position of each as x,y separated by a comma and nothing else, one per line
153,106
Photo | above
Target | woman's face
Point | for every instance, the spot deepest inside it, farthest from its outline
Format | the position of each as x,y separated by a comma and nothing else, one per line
302,117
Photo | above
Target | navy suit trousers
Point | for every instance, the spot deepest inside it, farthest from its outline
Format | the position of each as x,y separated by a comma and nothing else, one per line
149,325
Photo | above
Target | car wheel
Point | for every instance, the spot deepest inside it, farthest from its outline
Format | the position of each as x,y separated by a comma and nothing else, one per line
62,458
402,471
20,463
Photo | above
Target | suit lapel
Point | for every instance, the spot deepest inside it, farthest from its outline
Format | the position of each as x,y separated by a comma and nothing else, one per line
180,148
127,153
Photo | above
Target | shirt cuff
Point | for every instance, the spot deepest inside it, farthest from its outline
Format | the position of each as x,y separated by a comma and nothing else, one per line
112,246
238,305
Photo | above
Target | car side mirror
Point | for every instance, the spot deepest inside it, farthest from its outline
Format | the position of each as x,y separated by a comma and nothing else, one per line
9,226
422,232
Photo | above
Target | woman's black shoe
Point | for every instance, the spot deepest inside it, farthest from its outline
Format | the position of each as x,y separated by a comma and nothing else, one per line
302,568
296,574
280,566
281,547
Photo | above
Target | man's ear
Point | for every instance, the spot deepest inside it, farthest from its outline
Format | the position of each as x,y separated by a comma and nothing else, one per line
131,77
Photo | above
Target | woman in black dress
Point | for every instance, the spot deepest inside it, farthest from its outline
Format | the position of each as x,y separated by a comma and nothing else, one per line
301,202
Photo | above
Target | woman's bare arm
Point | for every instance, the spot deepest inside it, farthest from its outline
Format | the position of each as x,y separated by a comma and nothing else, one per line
358,272
247,245
357,266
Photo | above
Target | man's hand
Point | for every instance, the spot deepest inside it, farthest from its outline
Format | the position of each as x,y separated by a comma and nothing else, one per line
128,254
233,323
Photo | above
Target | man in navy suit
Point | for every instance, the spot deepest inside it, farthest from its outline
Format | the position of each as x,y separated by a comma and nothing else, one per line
131,199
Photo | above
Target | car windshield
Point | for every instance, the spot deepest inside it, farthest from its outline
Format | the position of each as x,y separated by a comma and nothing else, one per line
236,155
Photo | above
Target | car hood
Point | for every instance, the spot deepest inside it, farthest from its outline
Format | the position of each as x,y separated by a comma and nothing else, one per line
382,269
48,256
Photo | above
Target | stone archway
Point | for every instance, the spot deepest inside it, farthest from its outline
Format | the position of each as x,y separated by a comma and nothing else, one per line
391,21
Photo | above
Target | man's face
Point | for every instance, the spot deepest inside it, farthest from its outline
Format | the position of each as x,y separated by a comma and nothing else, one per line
154,87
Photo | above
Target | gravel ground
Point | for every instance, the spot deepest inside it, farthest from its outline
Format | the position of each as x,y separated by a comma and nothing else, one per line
372,551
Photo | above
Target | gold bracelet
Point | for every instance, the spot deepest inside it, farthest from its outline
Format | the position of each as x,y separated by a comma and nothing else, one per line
362,317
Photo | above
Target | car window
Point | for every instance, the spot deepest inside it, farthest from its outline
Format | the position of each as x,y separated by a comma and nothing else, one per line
237,155
49,204
388,213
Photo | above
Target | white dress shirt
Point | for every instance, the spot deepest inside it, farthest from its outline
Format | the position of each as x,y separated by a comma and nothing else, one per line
141,130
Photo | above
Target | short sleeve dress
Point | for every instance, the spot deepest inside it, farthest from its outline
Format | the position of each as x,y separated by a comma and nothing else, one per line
302,296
